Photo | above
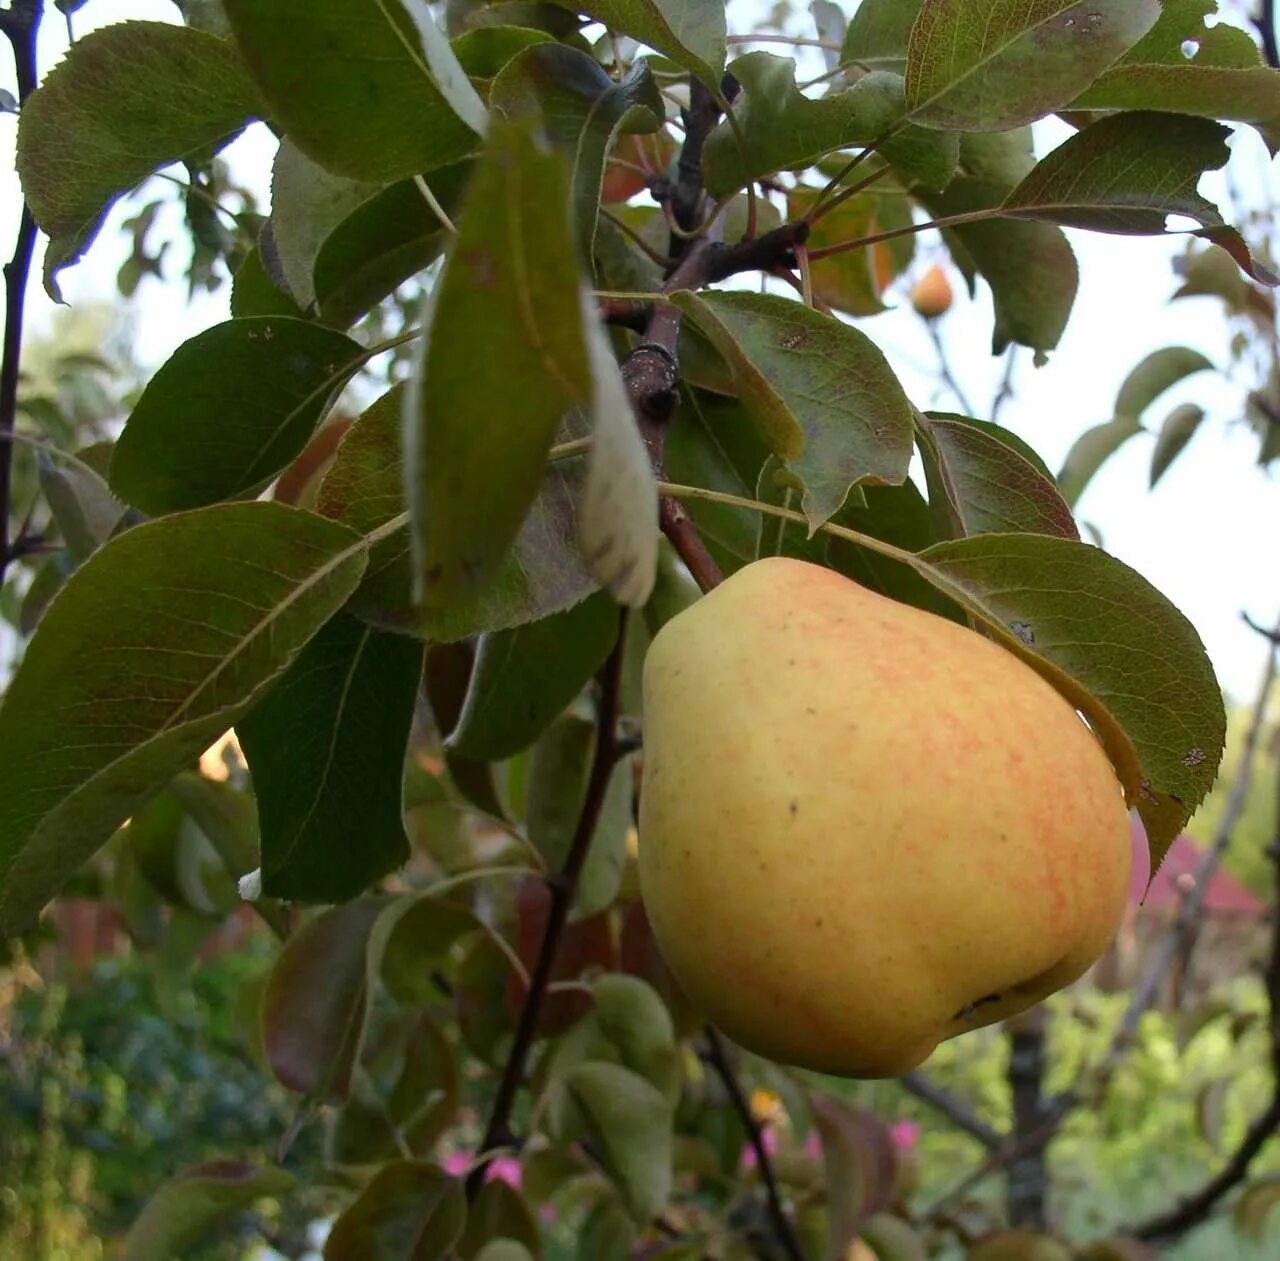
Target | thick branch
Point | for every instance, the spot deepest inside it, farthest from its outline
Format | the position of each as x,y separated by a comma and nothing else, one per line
563,886
1028,1174
20,23
718,1057
950,1107
1266,24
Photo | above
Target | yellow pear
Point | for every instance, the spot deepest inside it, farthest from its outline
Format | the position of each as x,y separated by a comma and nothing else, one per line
864,828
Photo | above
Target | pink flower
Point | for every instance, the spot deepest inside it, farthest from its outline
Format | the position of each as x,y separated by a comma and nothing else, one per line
505,1169
769,1140
905,1135
455,1164
813,1145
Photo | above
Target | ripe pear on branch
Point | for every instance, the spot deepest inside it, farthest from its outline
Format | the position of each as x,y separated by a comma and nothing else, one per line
864,828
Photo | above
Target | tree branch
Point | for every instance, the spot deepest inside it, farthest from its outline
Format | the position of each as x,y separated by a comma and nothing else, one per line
1028,1175
718,1057
1266,24
20,23
949,1106
562,886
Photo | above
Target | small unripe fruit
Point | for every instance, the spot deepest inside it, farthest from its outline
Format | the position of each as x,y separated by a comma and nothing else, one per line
931,296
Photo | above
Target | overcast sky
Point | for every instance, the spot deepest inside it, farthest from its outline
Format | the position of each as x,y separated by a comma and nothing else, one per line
1207,536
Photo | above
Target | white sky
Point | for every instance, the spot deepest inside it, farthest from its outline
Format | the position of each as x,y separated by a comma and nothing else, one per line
1207,536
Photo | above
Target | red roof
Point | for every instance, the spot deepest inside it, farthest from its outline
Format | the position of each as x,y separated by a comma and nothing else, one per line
1226,894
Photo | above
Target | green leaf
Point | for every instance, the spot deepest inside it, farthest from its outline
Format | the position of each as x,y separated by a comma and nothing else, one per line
1017,1245
84,509
476,444
227,816
159,643
631,1015
504,1250
1030,266
316,1001
384,242
1178,429
607,1234
1092,626
1224,77
485,51
1158,372
582,110
1118,1249
629,1124
861,1167
413,937
230,409
892,1239
191,1207
618,509
326,749
499,1212
255,291
853,280
542,574
1090,451
821,392
690,32
990,486
370,89
307,203
1127,174
557,788
409,1211
987,65
118,107
878,34
784,130
524,677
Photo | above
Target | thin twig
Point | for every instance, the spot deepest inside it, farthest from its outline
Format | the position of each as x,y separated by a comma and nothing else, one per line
20,23
945,1103
944,367
1005,392
562,889
433,202
718,1057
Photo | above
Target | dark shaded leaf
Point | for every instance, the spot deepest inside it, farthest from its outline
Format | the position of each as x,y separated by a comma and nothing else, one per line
369,90
542,574
316,1000
476,445
860,1162
607,1234
157,645
1090,451
987,65
582,110
785,130
118,107
524,677
821,392
326,748
1252,1211
191,1207
409,1211
230,408
499,1212
691,34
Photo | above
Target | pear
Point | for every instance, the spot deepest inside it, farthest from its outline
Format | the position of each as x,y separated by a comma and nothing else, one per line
865,828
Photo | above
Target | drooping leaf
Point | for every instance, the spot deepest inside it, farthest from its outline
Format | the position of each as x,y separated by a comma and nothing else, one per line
556,790
225,815
193,1205
691,33
524,677
1030,266
989,485
1156,373
854,280
878,34
608,1234
119,107
84,509
785,130
307,203
316,1001
1221,73
230,408
1178,429
157,645
487,50
629,1124
618,510
370,89
1091,630
476,445
326,750
1017,1245
987,65
412,938
255,291
542,574
582,109
892,1239
821,392
1253,1209
1090,451
409,1211
499,1212
1127,173
632,1016
860,1164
